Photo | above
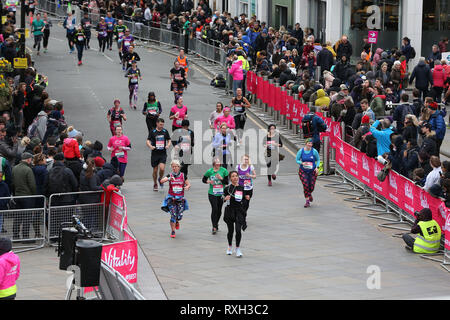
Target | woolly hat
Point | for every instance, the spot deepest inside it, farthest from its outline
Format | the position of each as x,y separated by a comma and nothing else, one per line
433,105
5,245
365,119
99,162
59,157
26,156
116,180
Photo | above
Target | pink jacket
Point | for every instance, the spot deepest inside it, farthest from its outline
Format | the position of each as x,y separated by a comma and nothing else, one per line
228,120
438,76
9,273
236,70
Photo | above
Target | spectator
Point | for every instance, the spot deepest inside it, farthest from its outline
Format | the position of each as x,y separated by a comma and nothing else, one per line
396,153
437,121
428,233
384,75
24,184
377,57
401,111
382,134
286,74
429,143
410,158
322,101
325,59
61,180
434,55
342,69
443,44
361,131
422,74
435,175
407,50
344,48
439,78
411,128
237,73
417,103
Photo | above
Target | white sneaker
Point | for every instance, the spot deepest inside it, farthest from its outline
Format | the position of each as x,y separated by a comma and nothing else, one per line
238,253
229,250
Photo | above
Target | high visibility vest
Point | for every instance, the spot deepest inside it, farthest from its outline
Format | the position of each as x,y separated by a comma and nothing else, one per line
431,239
183,63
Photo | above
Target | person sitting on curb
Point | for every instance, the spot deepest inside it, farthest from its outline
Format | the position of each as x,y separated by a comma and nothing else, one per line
428,232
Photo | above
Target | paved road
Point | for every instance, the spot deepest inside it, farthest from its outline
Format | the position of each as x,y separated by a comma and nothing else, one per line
290,252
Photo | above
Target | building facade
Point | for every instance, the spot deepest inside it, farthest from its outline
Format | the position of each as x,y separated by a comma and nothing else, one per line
425,22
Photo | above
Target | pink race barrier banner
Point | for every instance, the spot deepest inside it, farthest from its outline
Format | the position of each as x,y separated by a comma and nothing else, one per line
122,257
117,212
396,188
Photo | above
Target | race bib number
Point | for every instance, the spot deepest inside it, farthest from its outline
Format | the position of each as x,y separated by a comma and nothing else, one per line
80,38
247,184
121,34
103,33
134,80
120,154
218,189
185,146
126,43
238,108
177,189
152,112
116,123
307,165
238,195
159,144
178,122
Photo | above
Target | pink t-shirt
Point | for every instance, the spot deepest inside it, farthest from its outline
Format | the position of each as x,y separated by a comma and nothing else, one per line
9,270
182,115
114,144
228,120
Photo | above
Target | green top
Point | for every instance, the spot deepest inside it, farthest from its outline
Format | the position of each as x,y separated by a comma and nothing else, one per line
37,27
120,29
217,189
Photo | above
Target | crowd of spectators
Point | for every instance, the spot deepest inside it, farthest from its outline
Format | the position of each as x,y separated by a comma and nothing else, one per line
39,153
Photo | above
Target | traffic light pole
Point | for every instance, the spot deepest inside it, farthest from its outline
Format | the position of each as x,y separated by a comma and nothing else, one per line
22,30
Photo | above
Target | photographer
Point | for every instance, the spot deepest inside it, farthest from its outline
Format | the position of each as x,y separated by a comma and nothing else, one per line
428,232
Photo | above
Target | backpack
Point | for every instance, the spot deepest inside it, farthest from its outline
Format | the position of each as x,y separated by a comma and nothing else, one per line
412,53
307,127
406,110
56,180
32,128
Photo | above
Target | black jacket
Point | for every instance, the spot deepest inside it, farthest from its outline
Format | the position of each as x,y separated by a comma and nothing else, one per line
106,172
89,184
325,60
423,76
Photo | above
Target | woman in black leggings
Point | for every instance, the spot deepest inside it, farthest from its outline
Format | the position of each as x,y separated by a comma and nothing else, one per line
234,212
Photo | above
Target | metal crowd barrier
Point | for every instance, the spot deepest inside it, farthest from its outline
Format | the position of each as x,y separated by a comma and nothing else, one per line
24,221
62,206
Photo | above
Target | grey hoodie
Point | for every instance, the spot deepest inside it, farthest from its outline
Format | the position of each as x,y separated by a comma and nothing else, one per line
42,124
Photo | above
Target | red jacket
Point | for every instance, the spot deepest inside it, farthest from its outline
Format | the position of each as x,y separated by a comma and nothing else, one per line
71,149
438,76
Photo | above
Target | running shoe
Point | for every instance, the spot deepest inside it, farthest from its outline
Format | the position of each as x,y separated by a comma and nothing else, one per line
230,250
310,199
270,183
79,63
155,187
307,204
172,235
38,53
177,225
214,231
274,177
238,253
134,106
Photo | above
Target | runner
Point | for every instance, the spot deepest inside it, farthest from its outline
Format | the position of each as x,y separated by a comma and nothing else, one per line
272,143
178,80
115,116
178,113
234,212
31,9
111,23
221,144
183,142
239,103
175,202
152,110
217,178
215,114
69,25
119,146
119,31
309,160
134,75
225,118
102,34
125,42
48,25
158,141
79,38
131,56
183,61
86,23
37,28
246,173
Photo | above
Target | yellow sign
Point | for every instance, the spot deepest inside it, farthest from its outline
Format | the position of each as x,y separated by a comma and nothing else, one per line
27,32
3,19
20,63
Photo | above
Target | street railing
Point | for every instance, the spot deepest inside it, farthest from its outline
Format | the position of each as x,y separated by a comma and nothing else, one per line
24,221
